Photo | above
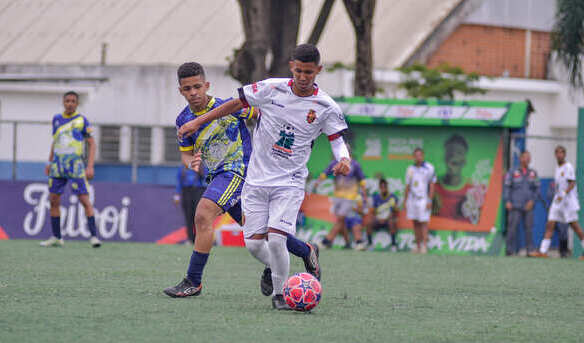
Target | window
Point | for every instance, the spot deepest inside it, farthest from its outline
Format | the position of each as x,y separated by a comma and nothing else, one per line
171,152
144,135
109,143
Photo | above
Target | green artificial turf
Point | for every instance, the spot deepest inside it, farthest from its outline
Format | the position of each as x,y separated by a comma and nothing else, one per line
114,294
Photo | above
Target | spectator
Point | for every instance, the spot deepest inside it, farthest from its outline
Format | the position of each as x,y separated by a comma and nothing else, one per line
420,180
385,214
190,186
561,228
345,194
520,192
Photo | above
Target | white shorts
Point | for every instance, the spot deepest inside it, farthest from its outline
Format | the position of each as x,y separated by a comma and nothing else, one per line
416,209
270,207
561,213
342,207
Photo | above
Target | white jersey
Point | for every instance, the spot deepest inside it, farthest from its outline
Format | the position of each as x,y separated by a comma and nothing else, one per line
564,174
420,178
286,128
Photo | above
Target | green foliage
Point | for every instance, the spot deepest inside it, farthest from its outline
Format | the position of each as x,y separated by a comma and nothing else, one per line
441,82
568,38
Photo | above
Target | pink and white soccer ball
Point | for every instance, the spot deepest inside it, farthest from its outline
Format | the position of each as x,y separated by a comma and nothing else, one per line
302,292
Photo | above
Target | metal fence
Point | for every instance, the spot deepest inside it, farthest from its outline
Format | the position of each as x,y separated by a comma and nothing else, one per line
118,145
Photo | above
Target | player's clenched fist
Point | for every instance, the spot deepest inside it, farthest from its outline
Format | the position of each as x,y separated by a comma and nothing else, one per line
188,129
195,162
343,167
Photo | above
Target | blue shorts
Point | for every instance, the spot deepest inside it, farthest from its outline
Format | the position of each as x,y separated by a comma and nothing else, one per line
225,191
352,221
78,185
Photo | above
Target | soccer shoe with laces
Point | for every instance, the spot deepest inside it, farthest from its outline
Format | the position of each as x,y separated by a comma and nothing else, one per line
53,242
538,254
184,289
266,286
311,261
95,242
279,303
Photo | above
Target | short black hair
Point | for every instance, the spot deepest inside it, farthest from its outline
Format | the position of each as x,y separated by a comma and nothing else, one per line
560,147
306,53
382,181
71,93
189,69
418,149
456,139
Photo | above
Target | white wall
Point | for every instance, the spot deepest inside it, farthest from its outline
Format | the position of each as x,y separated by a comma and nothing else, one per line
147,95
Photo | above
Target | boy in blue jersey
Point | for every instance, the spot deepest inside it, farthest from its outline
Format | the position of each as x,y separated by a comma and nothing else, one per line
224,147
385,214
70,131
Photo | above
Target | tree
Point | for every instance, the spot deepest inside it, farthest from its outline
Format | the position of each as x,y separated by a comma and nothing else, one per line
361,14
440,83
568,38
271,30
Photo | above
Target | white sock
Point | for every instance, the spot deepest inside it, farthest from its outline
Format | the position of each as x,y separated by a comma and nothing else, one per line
279,261
259,249
545,245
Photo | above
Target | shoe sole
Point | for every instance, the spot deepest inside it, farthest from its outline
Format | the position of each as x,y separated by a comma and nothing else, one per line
96,245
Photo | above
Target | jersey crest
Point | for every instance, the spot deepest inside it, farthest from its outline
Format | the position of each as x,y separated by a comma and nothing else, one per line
311,116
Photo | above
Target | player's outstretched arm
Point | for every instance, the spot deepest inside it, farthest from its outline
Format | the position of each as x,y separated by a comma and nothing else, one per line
341,154
224,110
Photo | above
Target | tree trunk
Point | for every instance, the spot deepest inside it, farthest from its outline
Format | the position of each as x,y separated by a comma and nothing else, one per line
361,14
323,16
249,62
284,23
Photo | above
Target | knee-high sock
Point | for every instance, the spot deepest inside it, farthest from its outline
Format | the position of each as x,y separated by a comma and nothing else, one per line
545,245
279,261
56,226
297,247
259,249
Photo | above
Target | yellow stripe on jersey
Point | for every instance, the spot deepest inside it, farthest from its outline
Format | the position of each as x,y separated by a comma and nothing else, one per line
186,148
206,109
230,190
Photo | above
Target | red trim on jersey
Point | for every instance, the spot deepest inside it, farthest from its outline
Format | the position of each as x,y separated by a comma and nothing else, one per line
334,136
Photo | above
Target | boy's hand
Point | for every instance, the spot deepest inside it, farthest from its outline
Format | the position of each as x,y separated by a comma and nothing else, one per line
89,172
47,169
188,129
343,167
195,162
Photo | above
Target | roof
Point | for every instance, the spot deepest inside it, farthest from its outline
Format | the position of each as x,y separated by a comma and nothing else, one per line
174,31
432,112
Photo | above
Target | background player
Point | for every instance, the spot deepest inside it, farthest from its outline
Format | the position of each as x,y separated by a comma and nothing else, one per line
224,147
420,179
385,211
565,206
293,113
70,131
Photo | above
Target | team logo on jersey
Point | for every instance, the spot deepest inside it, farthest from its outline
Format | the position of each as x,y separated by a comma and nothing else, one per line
283,147
311,116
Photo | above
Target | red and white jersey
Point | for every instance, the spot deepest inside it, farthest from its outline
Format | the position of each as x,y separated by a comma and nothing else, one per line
420,178
287,126
564,174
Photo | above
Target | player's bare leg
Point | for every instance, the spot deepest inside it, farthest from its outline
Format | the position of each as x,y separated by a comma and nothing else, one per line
327,241
280,265
417,236
358,235
88,207
546,241
392,229
346,237
55,212
424,235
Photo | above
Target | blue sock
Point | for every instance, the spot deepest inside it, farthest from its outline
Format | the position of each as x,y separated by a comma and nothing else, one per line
56,226
91,226
196,266
297,247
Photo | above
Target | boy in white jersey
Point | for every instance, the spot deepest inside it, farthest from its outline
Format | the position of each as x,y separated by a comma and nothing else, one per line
420,180
565,205
293,113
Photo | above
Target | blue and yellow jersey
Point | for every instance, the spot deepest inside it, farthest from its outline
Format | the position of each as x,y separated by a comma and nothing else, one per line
384,205
225,143
69,133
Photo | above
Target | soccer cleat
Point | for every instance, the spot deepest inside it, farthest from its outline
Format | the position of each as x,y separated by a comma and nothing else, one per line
279,303
53,242
184,289
325,243
361,246
311,261
423,250
538,254
266,285
95,242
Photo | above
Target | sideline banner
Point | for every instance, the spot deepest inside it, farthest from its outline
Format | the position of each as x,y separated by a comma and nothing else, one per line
124,212
469,166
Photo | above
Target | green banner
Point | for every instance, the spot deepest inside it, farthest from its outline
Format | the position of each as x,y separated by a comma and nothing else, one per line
468,163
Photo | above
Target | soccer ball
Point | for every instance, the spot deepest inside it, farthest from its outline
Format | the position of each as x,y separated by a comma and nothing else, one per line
302,292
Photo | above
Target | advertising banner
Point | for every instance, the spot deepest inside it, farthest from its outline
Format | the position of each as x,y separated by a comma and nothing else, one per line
466,214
